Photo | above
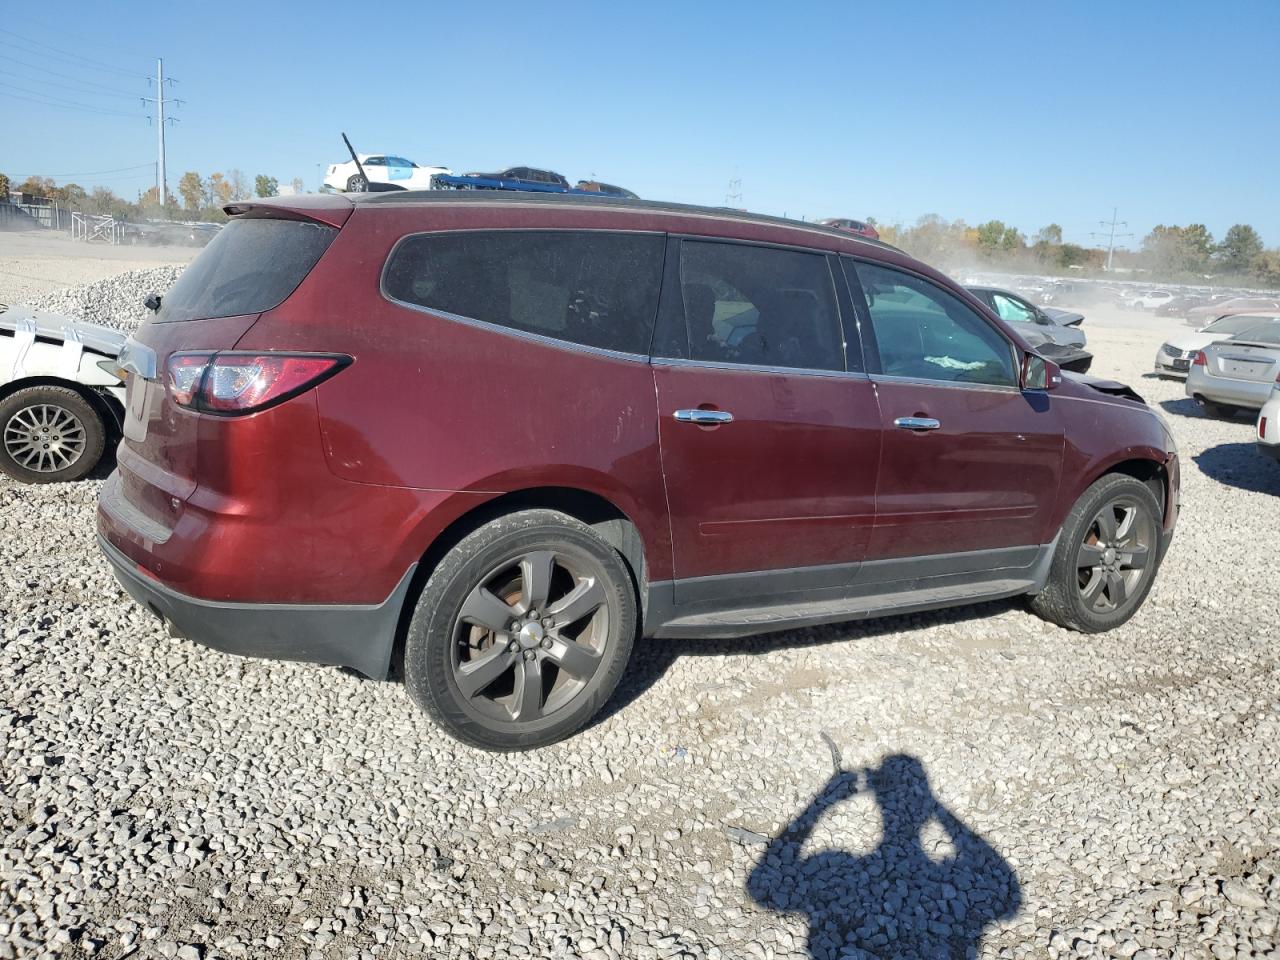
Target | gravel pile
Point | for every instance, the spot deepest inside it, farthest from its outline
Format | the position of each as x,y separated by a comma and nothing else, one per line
965,783
113,302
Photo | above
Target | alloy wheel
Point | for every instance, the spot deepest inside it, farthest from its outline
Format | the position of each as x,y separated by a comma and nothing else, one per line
531,635
45,438
1116,554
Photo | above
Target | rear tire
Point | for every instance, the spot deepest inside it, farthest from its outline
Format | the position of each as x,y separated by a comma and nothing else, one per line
1106,559
1222,411
49,434
357,184
522,632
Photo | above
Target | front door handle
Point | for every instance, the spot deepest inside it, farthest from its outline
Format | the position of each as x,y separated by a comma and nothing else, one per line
917,423
705,418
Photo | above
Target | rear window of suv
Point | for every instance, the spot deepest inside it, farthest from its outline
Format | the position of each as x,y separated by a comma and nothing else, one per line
250,266
594,288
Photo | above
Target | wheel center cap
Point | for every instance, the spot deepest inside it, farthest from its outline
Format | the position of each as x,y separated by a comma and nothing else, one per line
1109,556
530,636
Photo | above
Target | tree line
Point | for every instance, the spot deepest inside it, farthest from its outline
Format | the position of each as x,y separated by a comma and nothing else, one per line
196,198
1169,253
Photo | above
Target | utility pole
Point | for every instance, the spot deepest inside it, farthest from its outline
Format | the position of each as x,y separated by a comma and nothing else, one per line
1111,237
160,100
734,193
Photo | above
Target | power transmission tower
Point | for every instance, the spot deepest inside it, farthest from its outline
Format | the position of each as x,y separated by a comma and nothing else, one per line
734,192
1111,236
160,100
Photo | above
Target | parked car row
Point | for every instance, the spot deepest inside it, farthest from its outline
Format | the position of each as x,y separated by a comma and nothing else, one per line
394,172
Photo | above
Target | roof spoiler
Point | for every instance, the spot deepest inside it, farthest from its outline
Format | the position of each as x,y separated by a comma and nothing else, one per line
331,209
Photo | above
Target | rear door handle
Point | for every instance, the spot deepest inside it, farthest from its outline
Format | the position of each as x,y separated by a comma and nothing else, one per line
917,423
706,418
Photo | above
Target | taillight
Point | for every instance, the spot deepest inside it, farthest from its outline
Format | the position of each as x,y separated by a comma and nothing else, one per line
1201,360
1262,428
231,384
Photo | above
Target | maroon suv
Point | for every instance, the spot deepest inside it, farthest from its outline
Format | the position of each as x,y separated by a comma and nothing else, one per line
483,442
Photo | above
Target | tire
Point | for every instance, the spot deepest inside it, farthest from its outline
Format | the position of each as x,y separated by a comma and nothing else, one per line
475,680
1222,411
49,434
357,184
1092,598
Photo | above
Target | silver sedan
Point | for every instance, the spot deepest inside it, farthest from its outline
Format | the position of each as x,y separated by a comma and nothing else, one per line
1238,373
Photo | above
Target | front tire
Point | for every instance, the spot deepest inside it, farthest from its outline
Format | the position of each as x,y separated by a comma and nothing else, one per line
49,434
357,184
522,632
1106,558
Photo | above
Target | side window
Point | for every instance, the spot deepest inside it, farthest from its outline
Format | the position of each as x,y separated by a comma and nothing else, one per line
375,162
924,332
759,305
594,288
1011,310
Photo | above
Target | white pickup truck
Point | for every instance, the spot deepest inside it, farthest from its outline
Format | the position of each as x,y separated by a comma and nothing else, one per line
61,395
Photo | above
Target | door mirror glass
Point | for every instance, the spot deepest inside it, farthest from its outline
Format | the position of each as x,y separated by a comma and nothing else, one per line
1039,373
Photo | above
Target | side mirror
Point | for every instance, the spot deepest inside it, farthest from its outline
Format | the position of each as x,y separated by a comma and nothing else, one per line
1039,373
152,302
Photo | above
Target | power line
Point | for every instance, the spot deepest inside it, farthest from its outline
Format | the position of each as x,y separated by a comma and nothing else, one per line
62,101
67,104
67,86
95,64
65,76
91,173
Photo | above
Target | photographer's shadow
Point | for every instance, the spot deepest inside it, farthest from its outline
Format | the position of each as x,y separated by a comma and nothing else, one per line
900,900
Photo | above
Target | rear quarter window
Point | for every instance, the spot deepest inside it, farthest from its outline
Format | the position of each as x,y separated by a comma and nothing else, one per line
592,288
249,267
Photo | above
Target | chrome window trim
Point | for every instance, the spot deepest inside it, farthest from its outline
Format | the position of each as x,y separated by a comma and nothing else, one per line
756,368
963,384
539,338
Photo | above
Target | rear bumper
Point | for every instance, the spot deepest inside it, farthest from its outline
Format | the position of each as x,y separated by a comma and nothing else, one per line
350,635
1240,393
1269,449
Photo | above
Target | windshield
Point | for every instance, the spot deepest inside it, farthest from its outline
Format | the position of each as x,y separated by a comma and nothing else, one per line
250,266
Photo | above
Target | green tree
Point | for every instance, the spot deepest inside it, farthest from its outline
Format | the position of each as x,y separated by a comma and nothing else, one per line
265,186
4,186
1050,235
1177,250
1266,267
191,188
995,237
1239,248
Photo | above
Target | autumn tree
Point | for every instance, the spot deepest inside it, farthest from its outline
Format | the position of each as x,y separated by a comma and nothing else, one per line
4,186
265,186
191,187
38,186
1239,248
1266,268
220,190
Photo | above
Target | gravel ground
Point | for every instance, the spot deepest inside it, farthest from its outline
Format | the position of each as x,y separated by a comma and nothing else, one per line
966,783
35,264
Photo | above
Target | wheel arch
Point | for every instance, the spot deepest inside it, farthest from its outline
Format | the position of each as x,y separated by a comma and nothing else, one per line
605,517
1150,470
106,406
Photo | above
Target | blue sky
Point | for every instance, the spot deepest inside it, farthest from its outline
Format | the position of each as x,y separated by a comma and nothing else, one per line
1025,112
